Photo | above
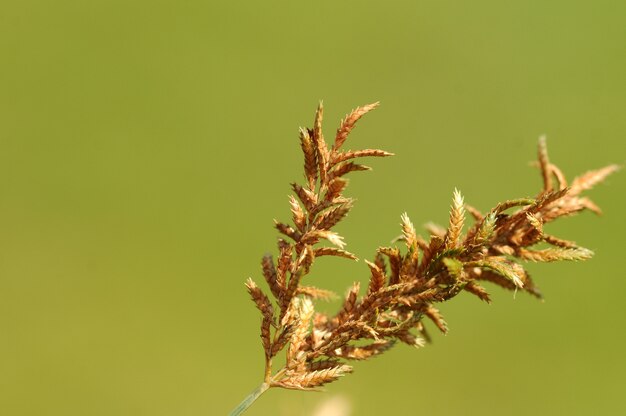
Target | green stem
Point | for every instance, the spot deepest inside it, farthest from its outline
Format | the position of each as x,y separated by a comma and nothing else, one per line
247,402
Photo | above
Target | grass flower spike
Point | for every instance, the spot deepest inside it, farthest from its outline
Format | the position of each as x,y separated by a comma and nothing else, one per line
406,283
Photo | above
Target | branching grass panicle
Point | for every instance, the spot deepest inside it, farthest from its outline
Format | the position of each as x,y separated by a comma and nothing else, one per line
405,283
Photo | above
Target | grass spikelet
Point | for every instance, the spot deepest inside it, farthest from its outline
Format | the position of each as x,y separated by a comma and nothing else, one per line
328,219
310,157
454,266
286,230
301,321
364,352
486,229
260,299
589,179
331,236
323,365
503,206
395,262
555,254
316,293
284,262
299,219
377,280
434,315
408,230
502,267
457,218
350,154
320,144
347,167
349,303
335,187
348,123
331,251
269,272
308,197
314,379
559,242
544,164
411,339
535,222
478,291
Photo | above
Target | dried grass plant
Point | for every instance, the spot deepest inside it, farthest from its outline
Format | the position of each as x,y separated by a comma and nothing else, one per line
404,284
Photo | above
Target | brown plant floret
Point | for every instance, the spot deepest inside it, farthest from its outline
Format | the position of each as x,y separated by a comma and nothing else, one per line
404,284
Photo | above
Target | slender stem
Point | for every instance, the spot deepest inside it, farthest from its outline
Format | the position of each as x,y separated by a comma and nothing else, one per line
268,369
247,402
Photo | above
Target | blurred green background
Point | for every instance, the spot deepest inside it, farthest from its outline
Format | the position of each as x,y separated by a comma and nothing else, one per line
146,146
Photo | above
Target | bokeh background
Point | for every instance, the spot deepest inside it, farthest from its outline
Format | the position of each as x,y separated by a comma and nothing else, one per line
146,146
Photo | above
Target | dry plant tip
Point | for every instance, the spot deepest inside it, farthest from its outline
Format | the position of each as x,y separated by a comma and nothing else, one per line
406,283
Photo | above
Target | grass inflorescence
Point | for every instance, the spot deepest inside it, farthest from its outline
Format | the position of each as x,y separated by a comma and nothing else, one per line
405,283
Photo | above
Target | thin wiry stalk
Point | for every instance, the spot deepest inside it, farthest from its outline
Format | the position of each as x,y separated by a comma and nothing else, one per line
404,285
